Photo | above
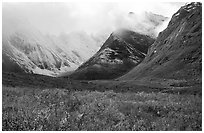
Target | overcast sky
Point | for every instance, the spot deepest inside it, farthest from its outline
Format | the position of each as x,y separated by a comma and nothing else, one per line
55,18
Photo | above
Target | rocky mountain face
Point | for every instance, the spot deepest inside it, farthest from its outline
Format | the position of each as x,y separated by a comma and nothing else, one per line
39,54
177,52
123,50
25,49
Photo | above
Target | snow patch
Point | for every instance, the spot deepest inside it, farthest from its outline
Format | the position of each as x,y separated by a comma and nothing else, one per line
176,14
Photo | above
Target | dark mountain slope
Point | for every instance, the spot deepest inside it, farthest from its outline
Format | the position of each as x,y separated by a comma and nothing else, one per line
177,52
122,51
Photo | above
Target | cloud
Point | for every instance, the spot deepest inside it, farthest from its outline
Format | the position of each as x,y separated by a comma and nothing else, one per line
93,18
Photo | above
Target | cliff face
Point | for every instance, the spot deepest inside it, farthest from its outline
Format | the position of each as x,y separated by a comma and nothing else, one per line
177,51
122,51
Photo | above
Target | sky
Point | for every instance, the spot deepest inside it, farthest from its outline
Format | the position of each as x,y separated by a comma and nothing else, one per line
93,18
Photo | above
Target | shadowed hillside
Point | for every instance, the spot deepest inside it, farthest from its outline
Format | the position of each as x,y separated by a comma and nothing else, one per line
122,51
177,52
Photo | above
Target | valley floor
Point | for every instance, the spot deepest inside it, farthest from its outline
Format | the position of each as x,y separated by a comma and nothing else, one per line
34,102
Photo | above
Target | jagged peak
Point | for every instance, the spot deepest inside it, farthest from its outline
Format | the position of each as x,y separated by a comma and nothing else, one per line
192,5
189,7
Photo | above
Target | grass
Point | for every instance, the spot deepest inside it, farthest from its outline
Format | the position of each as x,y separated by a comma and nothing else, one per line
61,109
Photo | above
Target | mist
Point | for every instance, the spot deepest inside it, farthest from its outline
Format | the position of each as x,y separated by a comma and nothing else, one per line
93,18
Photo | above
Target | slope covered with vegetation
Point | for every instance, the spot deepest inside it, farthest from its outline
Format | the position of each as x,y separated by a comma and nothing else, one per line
61,109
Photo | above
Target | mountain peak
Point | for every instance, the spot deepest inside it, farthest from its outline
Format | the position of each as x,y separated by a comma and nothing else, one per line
123,50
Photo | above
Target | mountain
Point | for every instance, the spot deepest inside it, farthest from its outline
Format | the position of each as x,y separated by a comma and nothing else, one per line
26,49
176,55
123,50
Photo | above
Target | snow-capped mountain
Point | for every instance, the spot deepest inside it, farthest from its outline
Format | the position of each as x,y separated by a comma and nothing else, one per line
25,49
177,52
123,50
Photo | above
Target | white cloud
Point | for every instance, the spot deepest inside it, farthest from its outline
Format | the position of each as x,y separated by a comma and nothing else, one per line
94,18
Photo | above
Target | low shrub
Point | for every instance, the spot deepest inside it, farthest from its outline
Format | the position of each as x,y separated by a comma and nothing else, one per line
60,109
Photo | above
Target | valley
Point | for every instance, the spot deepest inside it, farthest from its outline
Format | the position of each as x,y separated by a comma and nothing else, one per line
134,82
43,103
